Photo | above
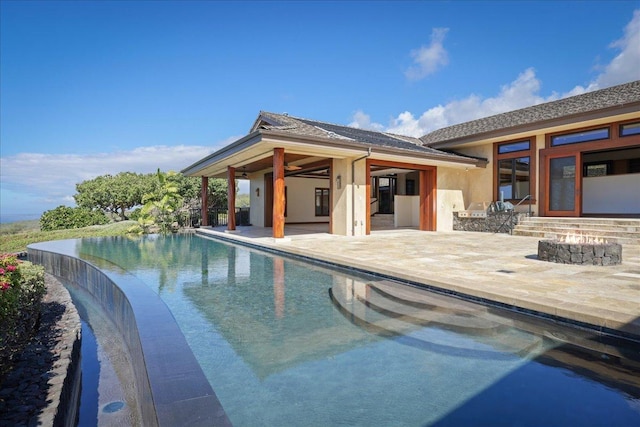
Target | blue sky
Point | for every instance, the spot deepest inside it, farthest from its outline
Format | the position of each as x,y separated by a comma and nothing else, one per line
89,88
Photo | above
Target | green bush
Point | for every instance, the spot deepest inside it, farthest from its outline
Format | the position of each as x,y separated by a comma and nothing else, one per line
134,215
21,290
64,217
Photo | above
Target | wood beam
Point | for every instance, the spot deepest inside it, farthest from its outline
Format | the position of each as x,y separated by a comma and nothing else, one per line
367,198
278,193
204,194
332,188
231,198
428,207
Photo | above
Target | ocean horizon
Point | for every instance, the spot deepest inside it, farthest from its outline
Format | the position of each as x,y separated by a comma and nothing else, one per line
6,218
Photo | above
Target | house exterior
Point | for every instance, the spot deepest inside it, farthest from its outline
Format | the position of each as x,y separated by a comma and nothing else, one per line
578,156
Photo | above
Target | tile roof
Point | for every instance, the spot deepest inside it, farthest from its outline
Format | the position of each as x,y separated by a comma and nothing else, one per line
368,138
614,96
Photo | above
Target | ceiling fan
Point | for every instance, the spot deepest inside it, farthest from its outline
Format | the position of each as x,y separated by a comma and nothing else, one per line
289,167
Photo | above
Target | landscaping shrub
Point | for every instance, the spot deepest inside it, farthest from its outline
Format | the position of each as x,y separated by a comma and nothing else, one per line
21,290
64,217
134,215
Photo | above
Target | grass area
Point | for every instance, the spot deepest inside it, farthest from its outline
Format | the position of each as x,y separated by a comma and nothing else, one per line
18,226
16,236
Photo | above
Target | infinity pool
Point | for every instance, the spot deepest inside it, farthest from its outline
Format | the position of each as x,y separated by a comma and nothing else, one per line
284,342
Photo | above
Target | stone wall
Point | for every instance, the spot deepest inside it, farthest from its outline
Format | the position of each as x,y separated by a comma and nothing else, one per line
44,386
497,222
580,253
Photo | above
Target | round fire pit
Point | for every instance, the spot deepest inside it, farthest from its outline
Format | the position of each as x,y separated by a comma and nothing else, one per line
580,253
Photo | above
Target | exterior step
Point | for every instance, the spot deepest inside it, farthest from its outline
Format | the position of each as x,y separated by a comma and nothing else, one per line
634,222
552,235
382,221
614,230
581,230
581,226
473,332
465,323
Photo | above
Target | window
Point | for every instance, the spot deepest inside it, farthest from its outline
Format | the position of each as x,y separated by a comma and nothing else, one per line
514,169
597,169
410,187
513,146
322,202
630,129
514,178
584,136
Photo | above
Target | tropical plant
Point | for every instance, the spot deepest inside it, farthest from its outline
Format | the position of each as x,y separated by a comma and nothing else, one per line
161,206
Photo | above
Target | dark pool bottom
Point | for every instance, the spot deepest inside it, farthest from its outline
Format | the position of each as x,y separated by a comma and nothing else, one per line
290,343
108,393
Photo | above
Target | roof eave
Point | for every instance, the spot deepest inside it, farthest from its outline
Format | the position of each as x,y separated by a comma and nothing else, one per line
238,145
539,125
262,135
343,143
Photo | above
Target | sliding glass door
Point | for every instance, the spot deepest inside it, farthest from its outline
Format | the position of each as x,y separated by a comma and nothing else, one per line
563,185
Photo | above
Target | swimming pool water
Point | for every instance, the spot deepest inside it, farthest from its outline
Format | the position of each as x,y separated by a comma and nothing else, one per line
283,342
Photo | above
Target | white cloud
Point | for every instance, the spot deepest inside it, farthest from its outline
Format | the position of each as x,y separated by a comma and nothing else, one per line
521,92
48,180
363,121
428,59
625,66
524,91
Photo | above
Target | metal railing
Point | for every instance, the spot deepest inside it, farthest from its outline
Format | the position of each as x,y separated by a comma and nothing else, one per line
220,217
374,205
509,219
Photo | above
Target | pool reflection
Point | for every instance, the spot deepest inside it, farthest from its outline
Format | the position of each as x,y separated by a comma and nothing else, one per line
285,338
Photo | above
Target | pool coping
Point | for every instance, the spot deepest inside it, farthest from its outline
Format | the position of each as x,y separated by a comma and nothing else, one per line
550,309
172,387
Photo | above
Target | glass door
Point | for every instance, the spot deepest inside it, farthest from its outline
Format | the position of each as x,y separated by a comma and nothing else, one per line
386,193
564,177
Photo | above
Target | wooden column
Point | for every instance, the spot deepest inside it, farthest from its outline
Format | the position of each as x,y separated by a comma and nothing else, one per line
278,193
231,198
332,189
428,204
367,178
204,194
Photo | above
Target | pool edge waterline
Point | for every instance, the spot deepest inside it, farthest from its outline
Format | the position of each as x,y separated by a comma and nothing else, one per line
147,325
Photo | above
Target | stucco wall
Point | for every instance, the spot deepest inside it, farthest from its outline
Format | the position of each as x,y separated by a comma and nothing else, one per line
480,180
361,198
256,212
301,199
341,212
407,211
451,188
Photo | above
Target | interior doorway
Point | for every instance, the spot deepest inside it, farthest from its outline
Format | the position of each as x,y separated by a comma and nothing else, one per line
386,191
